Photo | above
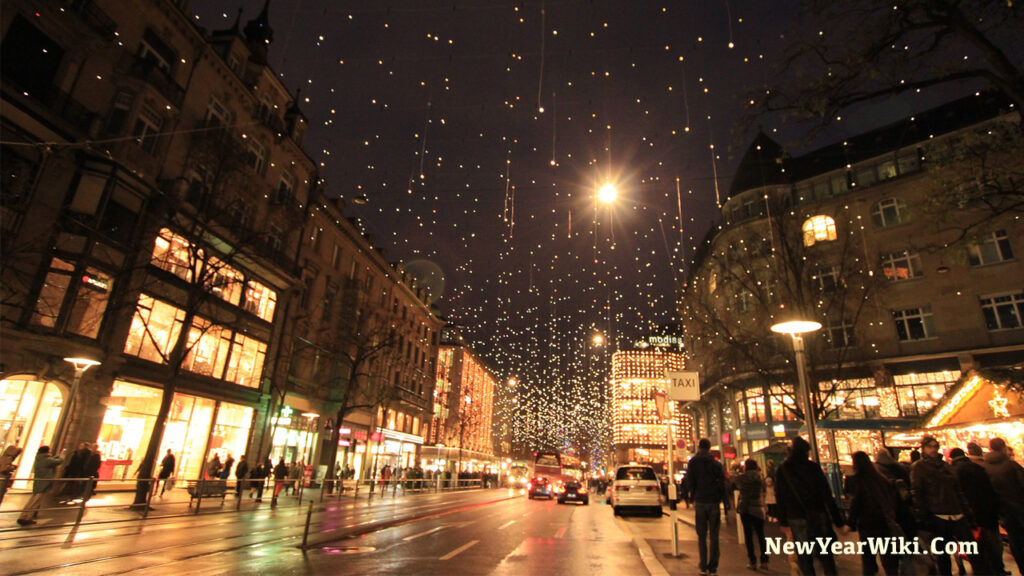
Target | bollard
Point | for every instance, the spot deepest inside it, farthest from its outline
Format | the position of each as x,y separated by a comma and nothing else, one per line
302,487
309,516
199,495
149,499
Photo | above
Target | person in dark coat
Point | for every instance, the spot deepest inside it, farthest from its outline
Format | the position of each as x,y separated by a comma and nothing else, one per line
258,477
751,487
705,483
225,472
71,489
873,512
44,470
280,478
941,507
1007,478
167,466
92,469
241,472
977,487
807,509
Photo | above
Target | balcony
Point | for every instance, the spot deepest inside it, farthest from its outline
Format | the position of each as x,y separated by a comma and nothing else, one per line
147,72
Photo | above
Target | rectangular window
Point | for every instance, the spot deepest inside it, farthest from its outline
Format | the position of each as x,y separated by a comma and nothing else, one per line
147,130
256,156
336,257
245,366
783,407
119,112
742,301
260,300
90,303
865,176
155,327
887,170
918,393
153,49
902,265
908,163
285,188
217,114
888,212
223,281
839,334
991,249
825,278
208,346
840,184
1003,312
51,296
176,255
914,323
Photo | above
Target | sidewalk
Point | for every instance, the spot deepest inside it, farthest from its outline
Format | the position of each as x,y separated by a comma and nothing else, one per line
114,506
733,555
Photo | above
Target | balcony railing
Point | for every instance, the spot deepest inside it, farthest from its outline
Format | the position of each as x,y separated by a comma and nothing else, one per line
148,72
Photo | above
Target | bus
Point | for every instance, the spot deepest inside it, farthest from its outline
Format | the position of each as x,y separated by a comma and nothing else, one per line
518,474
548,464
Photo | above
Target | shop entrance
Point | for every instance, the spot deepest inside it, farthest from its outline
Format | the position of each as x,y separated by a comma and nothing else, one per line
29,412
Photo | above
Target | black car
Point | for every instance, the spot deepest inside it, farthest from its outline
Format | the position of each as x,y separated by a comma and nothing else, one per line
574,492
540,487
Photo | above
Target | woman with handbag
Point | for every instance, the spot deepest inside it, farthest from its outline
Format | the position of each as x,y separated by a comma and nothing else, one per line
873,512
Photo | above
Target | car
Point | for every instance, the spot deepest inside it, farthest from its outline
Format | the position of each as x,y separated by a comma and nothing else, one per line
635,487
573,492
540,486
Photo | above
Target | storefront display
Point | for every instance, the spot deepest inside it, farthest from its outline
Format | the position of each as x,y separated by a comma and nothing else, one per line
190,433
29,410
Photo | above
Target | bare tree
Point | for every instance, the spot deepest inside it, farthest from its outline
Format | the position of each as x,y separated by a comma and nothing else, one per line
751,271
841,54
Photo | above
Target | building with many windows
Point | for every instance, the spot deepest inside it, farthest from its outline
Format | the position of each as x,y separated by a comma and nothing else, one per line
895,242
161,217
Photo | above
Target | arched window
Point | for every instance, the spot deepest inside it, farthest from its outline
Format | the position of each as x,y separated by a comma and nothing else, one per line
819,228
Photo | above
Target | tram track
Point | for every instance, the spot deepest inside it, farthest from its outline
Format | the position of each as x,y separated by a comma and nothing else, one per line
319,522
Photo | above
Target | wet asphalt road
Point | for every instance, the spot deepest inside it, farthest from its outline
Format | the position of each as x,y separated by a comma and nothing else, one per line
471,533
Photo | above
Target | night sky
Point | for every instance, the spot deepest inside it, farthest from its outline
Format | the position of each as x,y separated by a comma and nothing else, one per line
432,111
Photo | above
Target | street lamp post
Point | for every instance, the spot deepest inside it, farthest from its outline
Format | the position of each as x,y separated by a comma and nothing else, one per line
796,329
81,365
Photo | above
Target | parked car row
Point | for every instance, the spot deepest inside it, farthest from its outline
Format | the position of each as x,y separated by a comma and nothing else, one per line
635,489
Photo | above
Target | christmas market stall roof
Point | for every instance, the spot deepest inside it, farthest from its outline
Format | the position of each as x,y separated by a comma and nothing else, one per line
984,395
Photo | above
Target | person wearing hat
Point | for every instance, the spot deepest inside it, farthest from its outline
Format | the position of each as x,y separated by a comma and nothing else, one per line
941,508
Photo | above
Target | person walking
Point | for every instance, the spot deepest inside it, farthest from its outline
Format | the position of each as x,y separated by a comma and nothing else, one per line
984,502
241,472
44,470
295,474
280,477
225,472
258,477
806,508
1007,478
769,498
705,484
873,513
8,467
941,507
73,487
92,469
751,487
167,466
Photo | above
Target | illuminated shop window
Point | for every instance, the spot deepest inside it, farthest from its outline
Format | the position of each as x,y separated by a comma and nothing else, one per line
245,366
155,327
819,228
174,254
223,281
208,348
260,300
783,406
919,393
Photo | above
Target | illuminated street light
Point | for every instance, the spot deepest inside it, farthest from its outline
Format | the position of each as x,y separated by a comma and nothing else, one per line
598,340
81,365
796,328
607,193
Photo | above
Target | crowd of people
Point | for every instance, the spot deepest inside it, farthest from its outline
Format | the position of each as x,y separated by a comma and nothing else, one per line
961,498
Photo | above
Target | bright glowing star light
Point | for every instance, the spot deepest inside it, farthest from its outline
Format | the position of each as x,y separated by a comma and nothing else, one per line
607,193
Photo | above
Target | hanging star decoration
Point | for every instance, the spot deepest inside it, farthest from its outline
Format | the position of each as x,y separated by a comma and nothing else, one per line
998,404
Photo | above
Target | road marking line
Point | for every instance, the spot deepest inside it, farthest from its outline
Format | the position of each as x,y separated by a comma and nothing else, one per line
459,550
561,532
431,531
506,524
647,555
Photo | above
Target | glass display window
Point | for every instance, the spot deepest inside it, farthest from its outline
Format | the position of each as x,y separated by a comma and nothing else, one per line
231,432
29,410
154,329
126,429
187,433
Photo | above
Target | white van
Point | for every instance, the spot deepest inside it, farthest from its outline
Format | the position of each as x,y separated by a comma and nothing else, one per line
635,487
